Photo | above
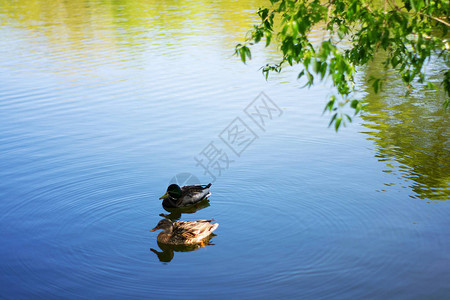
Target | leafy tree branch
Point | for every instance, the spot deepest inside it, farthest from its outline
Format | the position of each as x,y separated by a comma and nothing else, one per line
410,32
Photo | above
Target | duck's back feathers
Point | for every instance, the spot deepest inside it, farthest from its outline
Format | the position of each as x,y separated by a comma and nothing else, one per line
188,232
191,229
194,193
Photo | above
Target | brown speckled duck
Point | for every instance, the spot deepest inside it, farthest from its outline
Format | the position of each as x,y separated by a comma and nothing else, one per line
184,232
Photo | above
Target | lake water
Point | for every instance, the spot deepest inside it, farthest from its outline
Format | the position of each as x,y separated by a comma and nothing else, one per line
103,103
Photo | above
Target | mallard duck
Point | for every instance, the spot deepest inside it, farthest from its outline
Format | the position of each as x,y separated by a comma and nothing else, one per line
177,196
184,232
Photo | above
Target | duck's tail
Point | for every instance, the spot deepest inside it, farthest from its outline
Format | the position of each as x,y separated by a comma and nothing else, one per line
214,227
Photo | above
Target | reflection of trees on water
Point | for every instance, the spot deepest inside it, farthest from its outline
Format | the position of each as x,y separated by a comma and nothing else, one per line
168,251
411,132
142,19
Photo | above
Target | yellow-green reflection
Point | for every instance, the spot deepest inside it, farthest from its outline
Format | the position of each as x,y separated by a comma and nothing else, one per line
139,18
84,36
411,132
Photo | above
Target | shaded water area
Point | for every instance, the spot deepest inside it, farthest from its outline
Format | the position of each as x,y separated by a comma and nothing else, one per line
103,103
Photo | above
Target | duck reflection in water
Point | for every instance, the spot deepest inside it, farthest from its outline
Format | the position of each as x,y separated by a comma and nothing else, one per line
167,253
175,213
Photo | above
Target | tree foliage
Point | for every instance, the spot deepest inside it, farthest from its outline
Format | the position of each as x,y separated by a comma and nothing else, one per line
410,32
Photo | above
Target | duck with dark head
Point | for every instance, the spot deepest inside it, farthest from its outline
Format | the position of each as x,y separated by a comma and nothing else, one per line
177,197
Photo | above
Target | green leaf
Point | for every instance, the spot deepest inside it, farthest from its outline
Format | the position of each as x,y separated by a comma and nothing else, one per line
337,123
330,104
284,30
323,69
407,4
359,107
242,54
248,52
332,119
316,66
268,38
257,35
310,78
376,85
263,13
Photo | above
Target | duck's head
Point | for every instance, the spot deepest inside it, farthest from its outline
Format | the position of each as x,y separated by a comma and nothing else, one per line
165,224
173,191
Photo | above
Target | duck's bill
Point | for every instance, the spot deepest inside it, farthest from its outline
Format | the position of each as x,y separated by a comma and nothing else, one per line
164,196
154,229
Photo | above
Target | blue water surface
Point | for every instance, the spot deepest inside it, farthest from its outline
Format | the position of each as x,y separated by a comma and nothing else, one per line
103,103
